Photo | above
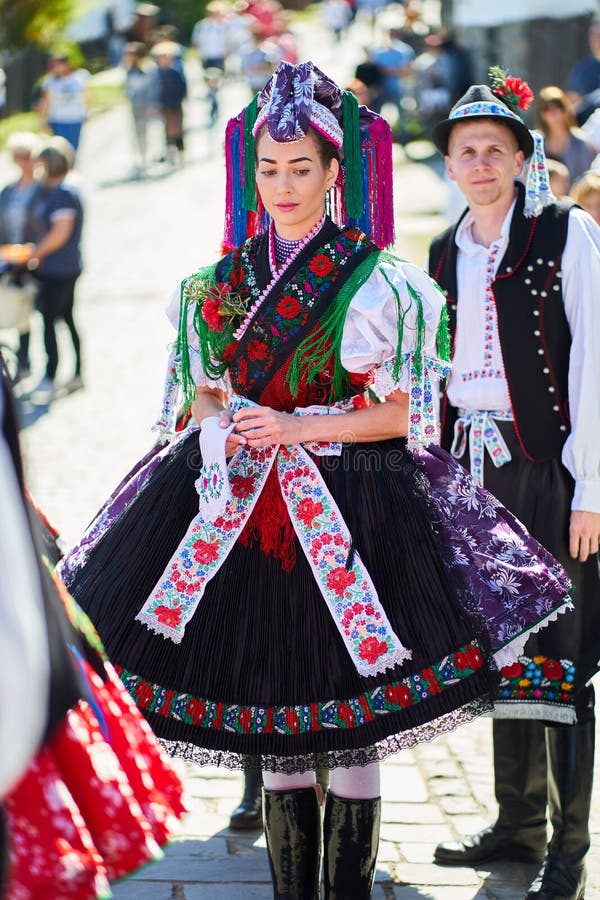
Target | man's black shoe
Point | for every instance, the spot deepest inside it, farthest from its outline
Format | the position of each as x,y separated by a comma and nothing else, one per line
487,845
557,880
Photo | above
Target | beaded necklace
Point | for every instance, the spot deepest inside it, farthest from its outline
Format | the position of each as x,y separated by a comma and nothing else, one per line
276,272
283,249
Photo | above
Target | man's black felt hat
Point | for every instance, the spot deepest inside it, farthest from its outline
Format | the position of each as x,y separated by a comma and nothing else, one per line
476,95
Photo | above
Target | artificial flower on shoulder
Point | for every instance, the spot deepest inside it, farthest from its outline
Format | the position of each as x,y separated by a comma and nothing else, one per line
219,304
514,92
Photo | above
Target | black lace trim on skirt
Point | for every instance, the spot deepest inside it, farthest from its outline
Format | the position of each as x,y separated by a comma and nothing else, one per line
356,756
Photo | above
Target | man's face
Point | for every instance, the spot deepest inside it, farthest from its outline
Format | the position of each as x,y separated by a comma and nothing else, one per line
484,160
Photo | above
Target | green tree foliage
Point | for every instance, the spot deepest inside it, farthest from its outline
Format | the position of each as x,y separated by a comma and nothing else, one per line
25,22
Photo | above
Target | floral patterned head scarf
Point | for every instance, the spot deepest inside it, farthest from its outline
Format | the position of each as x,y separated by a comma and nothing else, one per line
298,97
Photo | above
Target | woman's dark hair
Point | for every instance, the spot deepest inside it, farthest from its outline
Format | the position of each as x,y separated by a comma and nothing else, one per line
55,162
327,151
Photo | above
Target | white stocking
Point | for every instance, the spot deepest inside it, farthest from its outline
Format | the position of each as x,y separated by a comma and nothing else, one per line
356,782
276,781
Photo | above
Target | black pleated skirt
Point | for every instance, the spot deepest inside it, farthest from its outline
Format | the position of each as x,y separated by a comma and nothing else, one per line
262,670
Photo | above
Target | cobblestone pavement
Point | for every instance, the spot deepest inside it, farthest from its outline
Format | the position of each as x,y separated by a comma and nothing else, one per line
142,236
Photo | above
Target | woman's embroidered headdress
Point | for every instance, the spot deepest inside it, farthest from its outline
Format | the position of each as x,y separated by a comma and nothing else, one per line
295,99
503,101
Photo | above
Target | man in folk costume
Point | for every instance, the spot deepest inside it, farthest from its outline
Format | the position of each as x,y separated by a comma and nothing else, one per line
521,410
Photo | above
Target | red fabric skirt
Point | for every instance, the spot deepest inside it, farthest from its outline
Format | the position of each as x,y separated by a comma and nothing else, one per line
97,802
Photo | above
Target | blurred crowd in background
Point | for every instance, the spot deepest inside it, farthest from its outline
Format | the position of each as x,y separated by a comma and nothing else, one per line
408,68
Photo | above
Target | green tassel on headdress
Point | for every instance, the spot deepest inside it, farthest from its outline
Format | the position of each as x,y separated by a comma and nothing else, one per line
250,116
353,186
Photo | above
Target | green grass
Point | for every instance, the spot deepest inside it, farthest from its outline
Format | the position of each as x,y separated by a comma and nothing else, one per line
104,96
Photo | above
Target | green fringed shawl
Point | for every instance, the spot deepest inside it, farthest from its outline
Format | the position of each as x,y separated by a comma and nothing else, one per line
325,342
191,292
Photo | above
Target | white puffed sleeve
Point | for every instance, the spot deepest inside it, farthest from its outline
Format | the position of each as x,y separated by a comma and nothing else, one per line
392,328
172,395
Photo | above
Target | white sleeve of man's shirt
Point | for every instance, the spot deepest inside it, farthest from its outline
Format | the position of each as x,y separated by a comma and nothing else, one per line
581,296
24,664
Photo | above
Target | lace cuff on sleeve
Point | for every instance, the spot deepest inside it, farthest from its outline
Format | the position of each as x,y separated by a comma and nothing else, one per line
396,328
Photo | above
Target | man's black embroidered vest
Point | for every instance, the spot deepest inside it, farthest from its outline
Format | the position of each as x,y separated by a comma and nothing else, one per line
534,334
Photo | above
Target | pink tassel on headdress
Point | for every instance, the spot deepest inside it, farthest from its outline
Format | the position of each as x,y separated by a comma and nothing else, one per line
232,141
381,188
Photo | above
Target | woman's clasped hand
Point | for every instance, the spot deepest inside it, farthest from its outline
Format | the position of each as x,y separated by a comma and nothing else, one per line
259,426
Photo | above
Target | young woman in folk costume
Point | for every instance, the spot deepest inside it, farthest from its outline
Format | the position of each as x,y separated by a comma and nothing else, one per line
343,592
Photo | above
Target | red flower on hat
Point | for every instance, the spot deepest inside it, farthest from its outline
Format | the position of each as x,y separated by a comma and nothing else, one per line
515,93
522,90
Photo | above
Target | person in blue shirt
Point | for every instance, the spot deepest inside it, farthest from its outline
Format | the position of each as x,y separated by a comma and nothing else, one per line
583,81
168,90
56,262
18,225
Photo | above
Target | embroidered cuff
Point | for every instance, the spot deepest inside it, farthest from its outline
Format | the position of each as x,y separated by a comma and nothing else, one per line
587,495
165,424
384,382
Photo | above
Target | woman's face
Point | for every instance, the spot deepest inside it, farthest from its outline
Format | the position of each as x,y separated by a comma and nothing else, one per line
554,116
24,160
292,183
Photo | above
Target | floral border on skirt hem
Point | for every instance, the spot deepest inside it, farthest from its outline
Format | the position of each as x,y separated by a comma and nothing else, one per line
355,756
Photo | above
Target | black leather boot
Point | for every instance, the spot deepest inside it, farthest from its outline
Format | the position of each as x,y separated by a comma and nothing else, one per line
293,832
570,777
519,833
351,840
248,814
